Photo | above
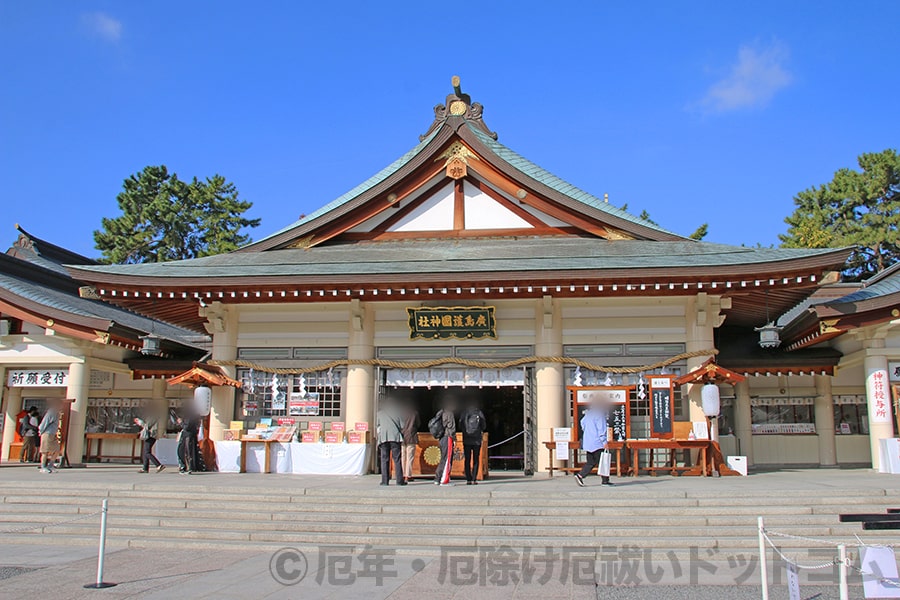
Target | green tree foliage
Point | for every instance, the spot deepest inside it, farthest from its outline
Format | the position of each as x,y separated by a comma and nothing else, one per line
164,218
856,208
646,217
700,232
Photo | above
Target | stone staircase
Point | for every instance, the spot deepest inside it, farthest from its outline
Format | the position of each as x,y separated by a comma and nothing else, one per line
422,518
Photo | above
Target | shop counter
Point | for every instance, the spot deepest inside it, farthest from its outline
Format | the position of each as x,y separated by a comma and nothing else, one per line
292,457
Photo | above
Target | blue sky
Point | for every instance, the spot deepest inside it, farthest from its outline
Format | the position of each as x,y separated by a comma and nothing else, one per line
696,112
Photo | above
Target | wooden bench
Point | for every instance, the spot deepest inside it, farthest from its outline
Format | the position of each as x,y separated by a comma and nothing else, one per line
616,447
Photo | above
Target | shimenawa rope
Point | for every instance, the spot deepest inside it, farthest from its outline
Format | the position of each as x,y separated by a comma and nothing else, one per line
465,362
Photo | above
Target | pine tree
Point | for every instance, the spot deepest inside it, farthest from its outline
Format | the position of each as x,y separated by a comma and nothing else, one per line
856,208
164,218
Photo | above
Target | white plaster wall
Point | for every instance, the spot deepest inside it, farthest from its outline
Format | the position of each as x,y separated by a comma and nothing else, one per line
435,214
612,321
288,325
483,212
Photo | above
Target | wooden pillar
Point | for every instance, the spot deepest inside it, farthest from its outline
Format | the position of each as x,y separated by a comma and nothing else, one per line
550,386
159,405
223,325
77,389
878,392
824,416
702,315
743,420
12,407
360,385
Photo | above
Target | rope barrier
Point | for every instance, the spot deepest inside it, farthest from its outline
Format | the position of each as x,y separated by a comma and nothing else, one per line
786,559
803,539
45,525
883,580
765,533
465,362
506,440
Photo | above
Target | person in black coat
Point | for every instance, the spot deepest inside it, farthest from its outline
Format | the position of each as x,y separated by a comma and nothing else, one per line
472,424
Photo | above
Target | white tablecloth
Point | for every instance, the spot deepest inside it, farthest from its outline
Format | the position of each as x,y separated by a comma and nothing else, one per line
328,459
889,449
295,457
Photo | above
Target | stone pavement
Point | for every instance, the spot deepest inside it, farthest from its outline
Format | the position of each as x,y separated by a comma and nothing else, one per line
55,569
163,575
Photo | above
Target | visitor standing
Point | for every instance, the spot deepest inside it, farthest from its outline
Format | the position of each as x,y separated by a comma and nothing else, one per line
28,429
188,444
473,425
389,426
443,428
411,424
49,432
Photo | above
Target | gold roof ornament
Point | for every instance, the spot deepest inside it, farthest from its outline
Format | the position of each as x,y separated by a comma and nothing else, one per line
456,160
458,105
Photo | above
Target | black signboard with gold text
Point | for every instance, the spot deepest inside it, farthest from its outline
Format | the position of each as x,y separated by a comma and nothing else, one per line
445,322
662,408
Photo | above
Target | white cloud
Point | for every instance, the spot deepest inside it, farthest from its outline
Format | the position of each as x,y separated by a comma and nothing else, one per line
755,78
103,26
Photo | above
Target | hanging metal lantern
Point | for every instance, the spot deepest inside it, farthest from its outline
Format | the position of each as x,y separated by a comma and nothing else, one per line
769,335
151,345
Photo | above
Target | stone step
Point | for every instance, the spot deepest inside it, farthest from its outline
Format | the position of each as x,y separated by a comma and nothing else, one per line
682,554
680,549
395,523
223,507
395,536
459,495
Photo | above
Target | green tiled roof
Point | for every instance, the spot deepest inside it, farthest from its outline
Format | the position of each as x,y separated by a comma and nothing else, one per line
470,255
883,284
514,159
552,181
96,309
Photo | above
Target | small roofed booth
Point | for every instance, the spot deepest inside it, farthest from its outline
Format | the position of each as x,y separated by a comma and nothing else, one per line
200,378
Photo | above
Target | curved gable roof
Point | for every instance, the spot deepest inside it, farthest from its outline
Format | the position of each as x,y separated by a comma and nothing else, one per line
471,129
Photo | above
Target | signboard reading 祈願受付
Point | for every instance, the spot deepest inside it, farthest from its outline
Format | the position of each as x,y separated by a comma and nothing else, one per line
461,322
38,378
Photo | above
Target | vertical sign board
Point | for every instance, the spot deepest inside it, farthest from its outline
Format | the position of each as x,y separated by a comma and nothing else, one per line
619,417
877,393
661,407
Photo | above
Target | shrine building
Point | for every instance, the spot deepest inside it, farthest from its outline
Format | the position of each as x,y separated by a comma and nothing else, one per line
463,269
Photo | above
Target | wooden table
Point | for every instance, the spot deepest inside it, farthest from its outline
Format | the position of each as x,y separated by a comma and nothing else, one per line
90,437
266,466
669,445
616,447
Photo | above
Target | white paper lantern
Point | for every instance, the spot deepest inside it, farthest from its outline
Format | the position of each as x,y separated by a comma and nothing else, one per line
202,400
711,402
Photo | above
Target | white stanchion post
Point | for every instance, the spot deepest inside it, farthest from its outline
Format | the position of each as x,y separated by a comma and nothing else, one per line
842,556
100,584
763,566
